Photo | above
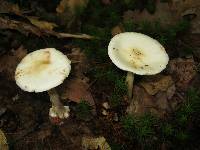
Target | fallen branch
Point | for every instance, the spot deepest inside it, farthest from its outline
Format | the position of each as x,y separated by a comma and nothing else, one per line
26,28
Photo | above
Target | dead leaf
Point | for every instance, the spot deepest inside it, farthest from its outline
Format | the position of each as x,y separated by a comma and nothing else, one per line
95,143
3,141
141,101
117,29
71,5
7,7
8,63
27,28
163,14
19,26
73,132
188,8
161,101
79,57
77,90
106,2
183,70
157,83
169,13
41,24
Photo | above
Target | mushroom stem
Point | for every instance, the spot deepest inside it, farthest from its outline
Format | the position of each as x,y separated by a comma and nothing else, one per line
58,109
129,81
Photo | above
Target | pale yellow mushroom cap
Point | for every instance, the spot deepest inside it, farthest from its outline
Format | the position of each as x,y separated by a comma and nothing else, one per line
137,53
42,70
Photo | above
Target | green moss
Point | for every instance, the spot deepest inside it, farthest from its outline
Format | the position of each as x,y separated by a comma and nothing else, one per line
189,107
167,130
140,128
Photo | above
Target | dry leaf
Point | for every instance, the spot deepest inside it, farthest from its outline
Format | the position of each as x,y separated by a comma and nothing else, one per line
95,143
169,13
106,2
183,70
141,101
7,7
8,63
78,57
188,8
3,141
19,26
77,90
73,132
117,29
161,101
163,14
71,5
27,28
42,24
157,83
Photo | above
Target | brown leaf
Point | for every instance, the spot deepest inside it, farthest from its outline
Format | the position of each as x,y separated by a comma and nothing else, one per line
73,132
98,143
77,90
7,7
117,29
8,63
41,24
106,2
3,141
19,26
27,28
163,14
141,101
71,5
183,71
157,83
188,8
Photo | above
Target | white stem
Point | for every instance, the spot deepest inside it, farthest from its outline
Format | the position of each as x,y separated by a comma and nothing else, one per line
54,98
129,81
58,109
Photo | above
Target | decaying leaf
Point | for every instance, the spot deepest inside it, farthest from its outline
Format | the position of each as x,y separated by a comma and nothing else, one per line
95,143
78,57
7,7
3,141
8,63
28,28
117,29
73,132
141,101
183,70
189,9
163,14
157,83
41,24
19,26
71,5
169,13
77,90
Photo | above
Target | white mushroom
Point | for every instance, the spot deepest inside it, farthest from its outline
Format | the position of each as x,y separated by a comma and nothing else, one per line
138,54
42,70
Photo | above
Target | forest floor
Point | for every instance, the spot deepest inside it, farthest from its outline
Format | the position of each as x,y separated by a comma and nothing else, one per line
166,109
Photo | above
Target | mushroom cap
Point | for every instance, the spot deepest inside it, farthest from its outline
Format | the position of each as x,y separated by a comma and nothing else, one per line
42,70
137,53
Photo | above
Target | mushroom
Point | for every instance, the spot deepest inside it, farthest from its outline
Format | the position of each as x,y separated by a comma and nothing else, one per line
138,54
43,70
